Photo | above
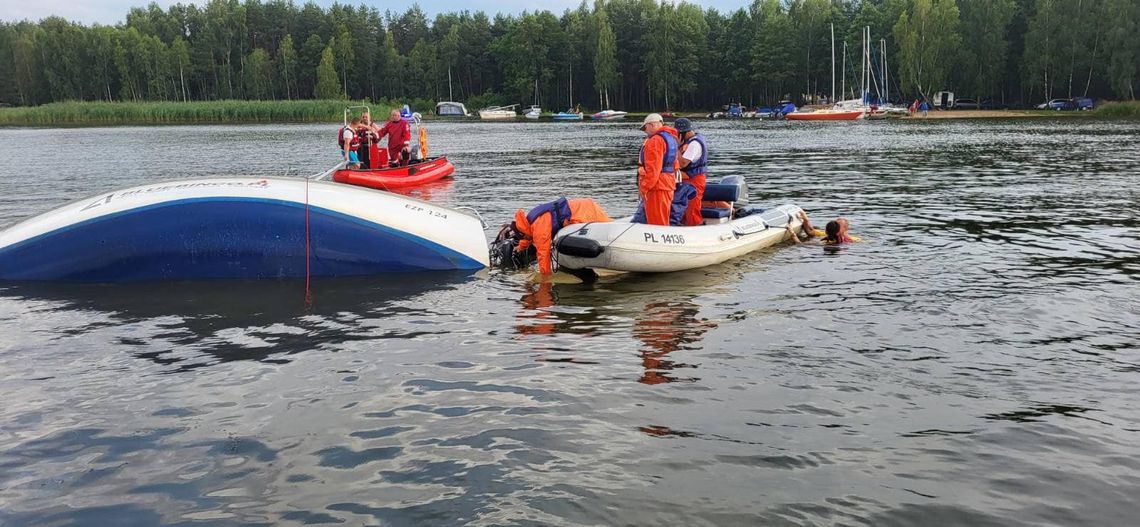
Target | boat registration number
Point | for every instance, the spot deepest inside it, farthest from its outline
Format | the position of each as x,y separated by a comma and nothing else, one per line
667,239
425,210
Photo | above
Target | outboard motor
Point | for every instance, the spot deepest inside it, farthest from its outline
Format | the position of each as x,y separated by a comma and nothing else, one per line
503,253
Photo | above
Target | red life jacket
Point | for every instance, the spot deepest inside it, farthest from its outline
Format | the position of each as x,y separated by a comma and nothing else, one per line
354,145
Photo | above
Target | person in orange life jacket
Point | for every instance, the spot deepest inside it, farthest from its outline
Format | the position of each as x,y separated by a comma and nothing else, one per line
657,169
399,134
693,160
539,226
369,140
349,143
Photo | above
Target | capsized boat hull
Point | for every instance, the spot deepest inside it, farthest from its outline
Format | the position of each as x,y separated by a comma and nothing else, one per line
622,246
433,169
240,228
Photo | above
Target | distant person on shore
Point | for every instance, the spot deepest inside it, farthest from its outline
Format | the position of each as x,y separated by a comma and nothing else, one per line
834,233
913,108
538,227
399,134
349,142
924,108
693,160
657,169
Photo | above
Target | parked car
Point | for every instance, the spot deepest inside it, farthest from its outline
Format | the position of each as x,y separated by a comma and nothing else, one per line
1057,104
966,104
1083,103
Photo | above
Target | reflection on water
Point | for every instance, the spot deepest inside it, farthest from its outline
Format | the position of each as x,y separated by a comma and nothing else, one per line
973,362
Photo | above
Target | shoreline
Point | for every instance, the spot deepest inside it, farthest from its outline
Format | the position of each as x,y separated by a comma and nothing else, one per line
234,112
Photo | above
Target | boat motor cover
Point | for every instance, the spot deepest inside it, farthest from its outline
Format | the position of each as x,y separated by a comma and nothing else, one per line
729,188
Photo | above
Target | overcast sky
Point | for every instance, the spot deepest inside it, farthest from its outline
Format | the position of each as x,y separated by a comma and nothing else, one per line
114,11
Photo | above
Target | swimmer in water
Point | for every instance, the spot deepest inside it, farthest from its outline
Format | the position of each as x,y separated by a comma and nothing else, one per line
834,233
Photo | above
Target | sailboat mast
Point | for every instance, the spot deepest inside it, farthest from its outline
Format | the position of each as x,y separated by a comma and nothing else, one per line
833,63
863,82
844,83
883,54
450,97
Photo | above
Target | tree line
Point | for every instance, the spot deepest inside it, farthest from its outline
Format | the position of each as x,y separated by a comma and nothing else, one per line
628,54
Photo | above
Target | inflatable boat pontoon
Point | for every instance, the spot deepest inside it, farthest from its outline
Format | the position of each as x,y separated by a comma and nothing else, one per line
240,228
635,247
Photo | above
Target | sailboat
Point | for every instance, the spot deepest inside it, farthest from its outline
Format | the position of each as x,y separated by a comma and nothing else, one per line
838,112
610,115
535,111
571,113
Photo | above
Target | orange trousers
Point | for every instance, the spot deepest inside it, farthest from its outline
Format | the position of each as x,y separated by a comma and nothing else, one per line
657,203
693,211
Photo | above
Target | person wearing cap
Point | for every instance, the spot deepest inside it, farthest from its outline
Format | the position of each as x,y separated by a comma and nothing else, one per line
657,174
693,160
539,226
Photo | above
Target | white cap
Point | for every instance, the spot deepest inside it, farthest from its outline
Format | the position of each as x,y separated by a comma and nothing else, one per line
652,118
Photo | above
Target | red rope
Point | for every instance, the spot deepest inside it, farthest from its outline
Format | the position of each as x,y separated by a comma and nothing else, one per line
308,291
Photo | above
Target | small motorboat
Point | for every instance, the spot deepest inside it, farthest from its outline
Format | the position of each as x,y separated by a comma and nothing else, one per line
609,115
413,175
498,112
634,247
240,228
568,115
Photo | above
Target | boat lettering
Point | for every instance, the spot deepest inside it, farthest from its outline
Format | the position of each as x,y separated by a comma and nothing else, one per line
261,183
429,212
668,239
97,203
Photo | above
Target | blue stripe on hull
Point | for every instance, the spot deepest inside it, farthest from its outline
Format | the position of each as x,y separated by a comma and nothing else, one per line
214,238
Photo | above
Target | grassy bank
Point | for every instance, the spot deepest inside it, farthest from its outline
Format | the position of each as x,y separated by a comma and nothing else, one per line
198,112
1122,109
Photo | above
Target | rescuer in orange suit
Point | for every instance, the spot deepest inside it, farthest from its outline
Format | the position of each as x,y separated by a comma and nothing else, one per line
539,226
657,169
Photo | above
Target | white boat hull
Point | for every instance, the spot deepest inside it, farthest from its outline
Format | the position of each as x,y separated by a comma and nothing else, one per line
492,115
633,247
245,228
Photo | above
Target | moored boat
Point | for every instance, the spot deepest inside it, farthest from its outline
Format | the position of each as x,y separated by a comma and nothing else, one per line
609,115
413,175
498,112
568,115
240,228
451,109
825,115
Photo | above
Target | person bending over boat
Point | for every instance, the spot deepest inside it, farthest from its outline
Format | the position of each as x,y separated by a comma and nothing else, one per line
538,227
399,134
657,175
834,233
693,160
349,143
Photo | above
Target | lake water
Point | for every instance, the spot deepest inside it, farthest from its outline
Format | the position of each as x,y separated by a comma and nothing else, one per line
974,361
